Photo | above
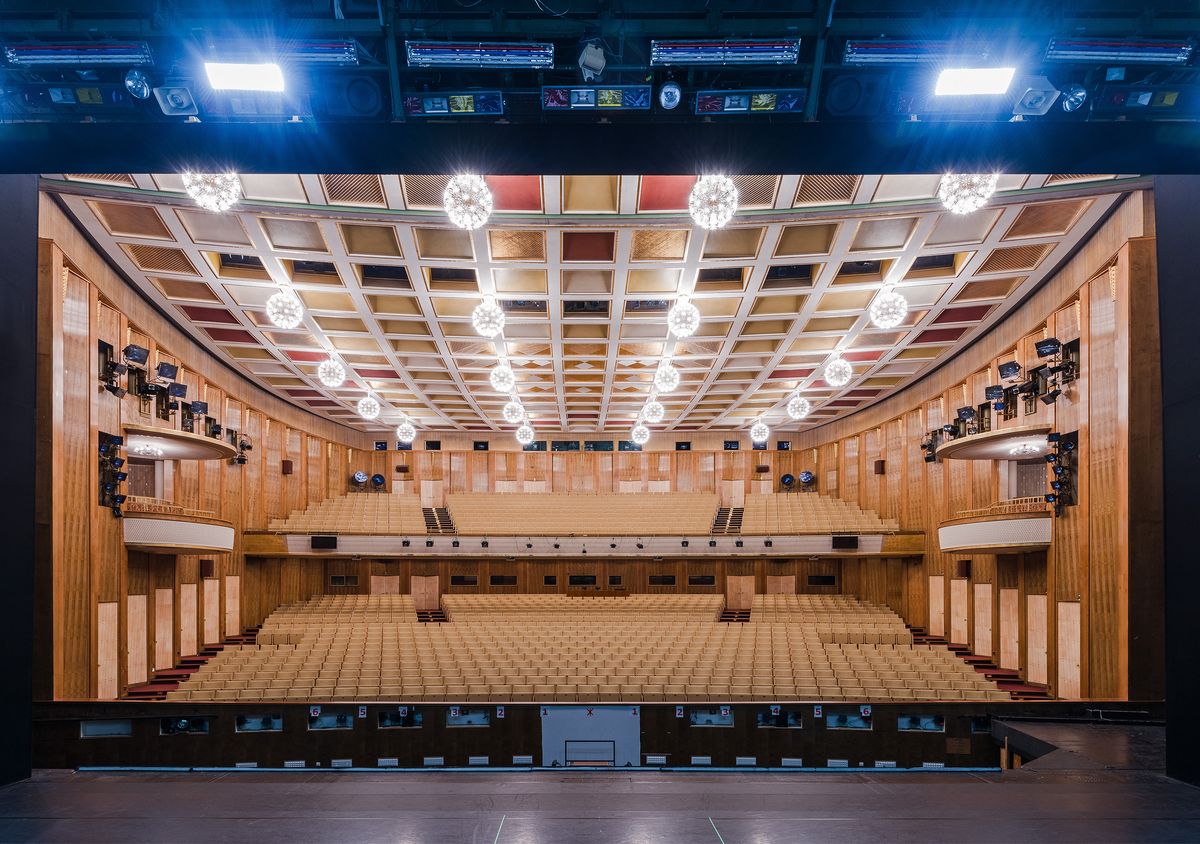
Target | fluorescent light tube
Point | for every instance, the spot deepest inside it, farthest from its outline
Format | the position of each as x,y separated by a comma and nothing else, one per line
233,76
974,80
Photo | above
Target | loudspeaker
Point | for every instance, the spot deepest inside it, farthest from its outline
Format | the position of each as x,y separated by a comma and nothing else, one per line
348,95
761,469
880,467
856,94
402,469
285,467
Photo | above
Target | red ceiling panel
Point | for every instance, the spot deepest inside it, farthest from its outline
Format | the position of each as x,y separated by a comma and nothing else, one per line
588,246
311,357
200,314
941,335
301,394
665,193
862,356
516,193
791,373
971,314
377,373
230,335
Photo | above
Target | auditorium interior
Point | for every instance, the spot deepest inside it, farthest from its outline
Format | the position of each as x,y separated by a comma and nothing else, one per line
470,494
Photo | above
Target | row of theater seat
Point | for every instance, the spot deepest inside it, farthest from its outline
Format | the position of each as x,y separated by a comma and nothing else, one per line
594,514
522,647
809,512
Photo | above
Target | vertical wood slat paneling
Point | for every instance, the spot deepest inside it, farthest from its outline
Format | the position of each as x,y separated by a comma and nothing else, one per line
1068,685
233,605
164,629
212,611
937,605
1036,624
136,657
1010,628
187,619
983,619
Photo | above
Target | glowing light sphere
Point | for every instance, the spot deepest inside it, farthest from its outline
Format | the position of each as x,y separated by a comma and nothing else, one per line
799,407
713,201
888,310
666,377
683,319
514,412
640,434
759,432
1024,450
406,432
502,378
331,373
214,192
285,310
962,193
468,201
653,411
368,408
525,434
838,373
488,318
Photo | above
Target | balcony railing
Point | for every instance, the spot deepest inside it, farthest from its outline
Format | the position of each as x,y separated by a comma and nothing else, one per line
1029,504
145,504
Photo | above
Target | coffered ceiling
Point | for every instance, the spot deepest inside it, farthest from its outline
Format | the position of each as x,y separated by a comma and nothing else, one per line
585,268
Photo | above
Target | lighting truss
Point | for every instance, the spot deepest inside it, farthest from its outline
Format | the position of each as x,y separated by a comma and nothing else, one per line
739,51
479,54
889,51
1125,50
42,54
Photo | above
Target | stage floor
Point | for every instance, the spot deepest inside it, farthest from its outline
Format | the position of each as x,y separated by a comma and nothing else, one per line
567,807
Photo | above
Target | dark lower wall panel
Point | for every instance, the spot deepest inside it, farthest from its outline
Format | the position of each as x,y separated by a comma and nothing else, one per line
964,743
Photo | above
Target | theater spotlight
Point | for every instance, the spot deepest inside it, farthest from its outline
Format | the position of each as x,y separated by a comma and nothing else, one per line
768,543
738,543
135,354
1052,458
1069,445
1009,371
119,392
966,413
612,545
166,371
1051,397
1056,485
483,544
1053,437
428,543
1051,498
404,543
556,546
454,543
998,406
1047,348
712,543
994,392
640,546
528,546
1060,470
684,543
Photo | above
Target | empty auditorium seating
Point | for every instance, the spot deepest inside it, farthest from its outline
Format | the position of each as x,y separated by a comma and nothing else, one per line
552,647
600,514
809,512
358,512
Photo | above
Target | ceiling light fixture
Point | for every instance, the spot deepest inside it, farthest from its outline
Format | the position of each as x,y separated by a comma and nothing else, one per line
957,81
502,378
468,201
284,310
514,412
239,76
889,309
368,408
683,319
713,201
1024,450
406,432
759,432
214,192
640,434
331,373
666,377
653,411
838,372
798,407
525,434
962,193
488,318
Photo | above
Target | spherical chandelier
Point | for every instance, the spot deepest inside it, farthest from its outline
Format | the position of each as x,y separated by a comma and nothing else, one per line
713,201
143,450
798,407
666,377
525,434
468,201
488,318
331,373
759,432
889,309
368,408
653,411
215,192
406,432
838,372
1024,450
640,434
514,412
683,319
284,310
962,193
502,378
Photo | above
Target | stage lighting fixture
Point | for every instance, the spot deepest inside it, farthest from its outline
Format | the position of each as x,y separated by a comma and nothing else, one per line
239,76
359,478
483,544
176,390
1052,458
240,460
135,354
404,543
768,543
640,546
1027,387
738,543
556,546
712,543
591,61
166,371
1069,445
949,429
119,392
1051,498
966,413
1052,396
743,51
1106,49
477,54
528,545
1073,98
1057,485
115,369
994,393
200,408
1059,470
998,406
137,83
116,462
454,543
1008,371
670,95
612,545
176,100
684,543
1047,348
428,543
973,81
1053,437
118,500
929,458
377,481
79,53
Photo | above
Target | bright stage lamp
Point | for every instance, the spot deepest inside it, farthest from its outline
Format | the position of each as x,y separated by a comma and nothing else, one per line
236,76
956,81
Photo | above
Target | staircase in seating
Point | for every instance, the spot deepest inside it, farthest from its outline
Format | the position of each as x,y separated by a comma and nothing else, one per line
438,520
1006,679
728,520
168,679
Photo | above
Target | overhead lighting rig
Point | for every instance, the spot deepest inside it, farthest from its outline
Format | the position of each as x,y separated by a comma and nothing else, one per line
111,474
